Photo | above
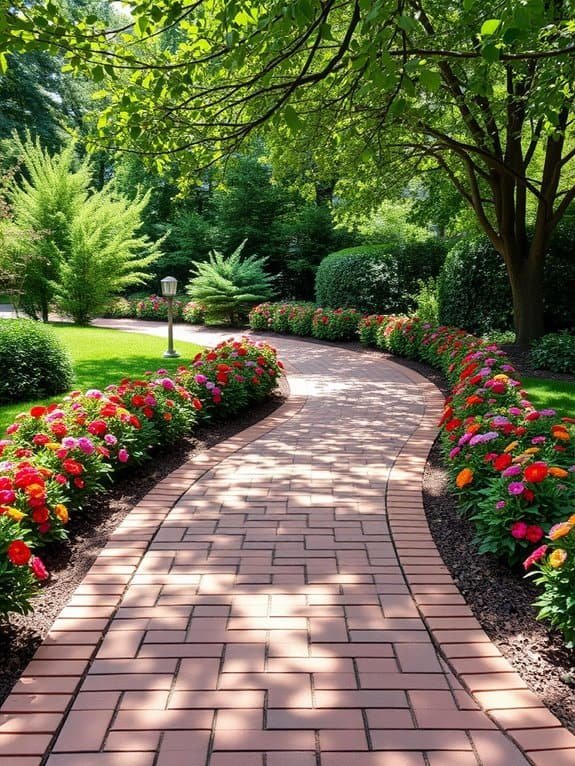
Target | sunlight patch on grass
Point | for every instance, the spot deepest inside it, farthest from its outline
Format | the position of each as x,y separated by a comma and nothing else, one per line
556,394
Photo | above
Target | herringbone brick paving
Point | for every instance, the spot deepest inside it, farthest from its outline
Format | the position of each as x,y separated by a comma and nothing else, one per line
278,601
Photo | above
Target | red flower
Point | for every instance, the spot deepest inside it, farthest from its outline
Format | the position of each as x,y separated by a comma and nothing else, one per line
59,429
197,404
534,533
38,411
41,439
98,427
19,553
108,411
40,515
73,467
502,462
536,472
138,400
528,495
79,483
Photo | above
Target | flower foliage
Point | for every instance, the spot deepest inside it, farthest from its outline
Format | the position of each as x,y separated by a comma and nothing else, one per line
55,456
156,307
512,466
306,319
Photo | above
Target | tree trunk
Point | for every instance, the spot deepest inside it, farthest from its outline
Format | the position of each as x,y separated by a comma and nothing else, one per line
526,278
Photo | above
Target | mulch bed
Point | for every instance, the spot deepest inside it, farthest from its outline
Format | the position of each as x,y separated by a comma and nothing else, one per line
501,600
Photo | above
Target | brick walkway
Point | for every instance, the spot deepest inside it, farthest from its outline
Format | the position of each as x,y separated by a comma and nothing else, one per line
252,610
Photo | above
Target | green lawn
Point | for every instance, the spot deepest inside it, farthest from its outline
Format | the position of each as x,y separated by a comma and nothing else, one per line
104,356
556,394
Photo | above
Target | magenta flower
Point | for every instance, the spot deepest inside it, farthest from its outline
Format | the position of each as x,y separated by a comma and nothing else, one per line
110,439
123,455
513,470
516,488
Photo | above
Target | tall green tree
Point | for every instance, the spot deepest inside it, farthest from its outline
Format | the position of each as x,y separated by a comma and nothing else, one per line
482,89
83,245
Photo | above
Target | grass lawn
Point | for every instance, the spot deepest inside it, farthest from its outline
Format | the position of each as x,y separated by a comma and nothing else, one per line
105,356
557,394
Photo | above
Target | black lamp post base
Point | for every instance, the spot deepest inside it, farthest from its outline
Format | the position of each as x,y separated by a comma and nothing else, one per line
170,354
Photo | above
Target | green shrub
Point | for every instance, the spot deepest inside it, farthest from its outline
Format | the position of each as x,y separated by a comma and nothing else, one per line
427,304
555,352
377,278
473,288
335,324
33,361
368,327
120,308
260,317
474,291
156,307
300,319
229,287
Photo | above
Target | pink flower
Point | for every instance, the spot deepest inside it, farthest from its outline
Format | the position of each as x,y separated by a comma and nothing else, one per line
37,566
123,455
519,530
516,488
537,554
110,439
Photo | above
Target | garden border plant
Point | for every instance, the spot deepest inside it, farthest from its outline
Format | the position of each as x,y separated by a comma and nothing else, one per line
56,456
511,466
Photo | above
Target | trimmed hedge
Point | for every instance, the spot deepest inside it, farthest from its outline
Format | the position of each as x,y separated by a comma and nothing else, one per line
474,291
33,361
374,278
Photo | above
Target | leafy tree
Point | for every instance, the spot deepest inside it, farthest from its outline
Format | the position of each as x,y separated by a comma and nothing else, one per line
229,287
84,245
45,201
479,88
105,255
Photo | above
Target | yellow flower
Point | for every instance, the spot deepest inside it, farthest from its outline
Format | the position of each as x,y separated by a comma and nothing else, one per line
501,376
61,512
571,520
558,558
14,513
560,530
53,445
531,451
511,447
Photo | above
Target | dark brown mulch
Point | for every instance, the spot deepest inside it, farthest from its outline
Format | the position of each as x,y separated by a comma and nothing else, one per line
68,563
520,360
502,600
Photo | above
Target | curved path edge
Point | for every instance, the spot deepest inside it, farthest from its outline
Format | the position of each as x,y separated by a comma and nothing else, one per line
466,650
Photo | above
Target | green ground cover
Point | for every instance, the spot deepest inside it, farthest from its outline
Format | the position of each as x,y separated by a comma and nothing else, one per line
104,356
557,394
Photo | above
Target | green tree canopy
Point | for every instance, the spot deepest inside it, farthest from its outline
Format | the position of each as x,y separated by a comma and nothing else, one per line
482,89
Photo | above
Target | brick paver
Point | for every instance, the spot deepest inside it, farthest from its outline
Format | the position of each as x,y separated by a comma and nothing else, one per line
278,601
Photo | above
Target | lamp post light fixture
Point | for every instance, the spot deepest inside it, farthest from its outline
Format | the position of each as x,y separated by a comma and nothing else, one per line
169,289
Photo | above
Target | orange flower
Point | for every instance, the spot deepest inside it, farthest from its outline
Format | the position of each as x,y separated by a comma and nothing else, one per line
511,447
558,558
559,473
61,512
531,451
560,530
561,433
464,477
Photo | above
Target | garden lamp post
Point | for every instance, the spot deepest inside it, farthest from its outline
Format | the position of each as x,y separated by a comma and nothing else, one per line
169,289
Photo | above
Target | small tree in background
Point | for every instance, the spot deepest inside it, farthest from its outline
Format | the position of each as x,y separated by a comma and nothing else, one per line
229,287
85,245
105,255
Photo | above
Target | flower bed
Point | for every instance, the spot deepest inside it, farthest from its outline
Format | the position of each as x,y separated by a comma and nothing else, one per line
306,319
155,307
512,466
54,457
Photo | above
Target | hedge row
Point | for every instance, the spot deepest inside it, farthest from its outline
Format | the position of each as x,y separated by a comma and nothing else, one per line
155,307
55,457
306,319
512,466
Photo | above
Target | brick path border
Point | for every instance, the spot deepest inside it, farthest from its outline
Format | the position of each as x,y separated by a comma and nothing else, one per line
460,640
